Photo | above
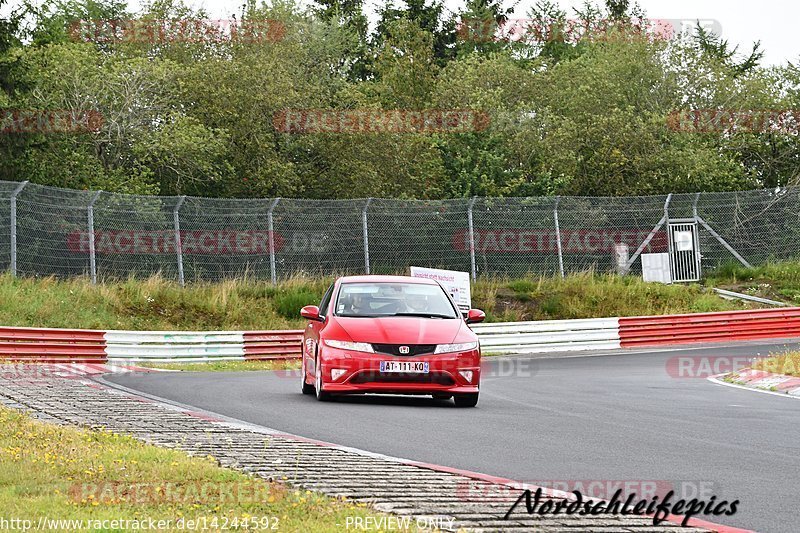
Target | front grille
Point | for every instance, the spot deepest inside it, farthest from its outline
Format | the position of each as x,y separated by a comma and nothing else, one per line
434,378
413,349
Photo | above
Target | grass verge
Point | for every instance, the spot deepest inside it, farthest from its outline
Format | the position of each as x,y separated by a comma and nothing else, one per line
226,366
590,295
159,304
65,473
155,304
776,281
242,304
787,363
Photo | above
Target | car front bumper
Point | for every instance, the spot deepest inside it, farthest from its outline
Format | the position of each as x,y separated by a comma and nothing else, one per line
363,375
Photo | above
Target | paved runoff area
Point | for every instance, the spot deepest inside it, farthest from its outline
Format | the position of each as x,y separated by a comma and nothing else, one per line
426,494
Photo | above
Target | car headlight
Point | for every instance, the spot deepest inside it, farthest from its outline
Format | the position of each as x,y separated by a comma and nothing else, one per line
460,347
348,345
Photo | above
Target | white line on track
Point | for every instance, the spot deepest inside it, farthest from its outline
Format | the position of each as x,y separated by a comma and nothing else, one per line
714,379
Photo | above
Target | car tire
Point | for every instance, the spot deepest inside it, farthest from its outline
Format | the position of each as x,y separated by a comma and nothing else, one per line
307,389
440,396
321,395
466,400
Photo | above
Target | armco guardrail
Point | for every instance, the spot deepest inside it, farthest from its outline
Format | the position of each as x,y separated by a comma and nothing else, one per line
91,346
260,345
187,346
52,345
709,327
173,346
549,336
88,346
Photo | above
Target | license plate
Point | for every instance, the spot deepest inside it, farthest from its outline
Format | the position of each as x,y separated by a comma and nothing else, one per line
409,367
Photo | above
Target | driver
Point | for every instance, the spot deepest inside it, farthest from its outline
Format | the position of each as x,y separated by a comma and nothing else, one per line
355,304
416,303
359,304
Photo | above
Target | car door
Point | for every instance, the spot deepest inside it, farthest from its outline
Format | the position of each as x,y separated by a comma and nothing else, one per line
311,336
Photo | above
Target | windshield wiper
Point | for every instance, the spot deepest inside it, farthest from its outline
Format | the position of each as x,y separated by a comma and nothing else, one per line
424,315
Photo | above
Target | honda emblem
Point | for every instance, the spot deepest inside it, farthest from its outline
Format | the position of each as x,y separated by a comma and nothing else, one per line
403,350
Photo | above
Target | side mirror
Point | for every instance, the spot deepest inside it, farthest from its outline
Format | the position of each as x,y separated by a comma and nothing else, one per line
311,312
475,315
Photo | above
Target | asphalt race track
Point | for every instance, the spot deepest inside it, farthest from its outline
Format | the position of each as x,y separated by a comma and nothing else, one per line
611,417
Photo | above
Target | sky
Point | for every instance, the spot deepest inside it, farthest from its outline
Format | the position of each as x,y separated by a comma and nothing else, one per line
773,22
741,22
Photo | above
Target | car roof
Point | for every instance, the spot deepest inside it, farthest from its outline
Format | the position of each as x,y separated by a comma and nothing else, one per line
386,279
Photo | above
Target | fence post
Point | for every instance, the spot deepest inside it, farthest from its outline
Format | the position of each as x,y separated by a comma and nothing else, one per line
558,237
271,232
13,223
178,245
472,264
92,255
366,234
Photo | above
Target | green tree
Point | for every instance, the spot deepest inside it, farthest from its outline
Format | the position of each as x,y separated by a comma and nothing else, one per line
718,48
349,16
428,15
479,26
405,66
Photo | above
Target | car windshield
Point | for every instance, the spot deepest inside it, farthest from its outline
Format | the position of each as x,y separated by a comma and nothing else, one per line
393,299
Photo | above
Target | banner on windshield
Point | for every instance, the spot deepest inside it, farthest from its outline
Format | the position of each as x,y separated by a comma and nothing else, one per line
454,282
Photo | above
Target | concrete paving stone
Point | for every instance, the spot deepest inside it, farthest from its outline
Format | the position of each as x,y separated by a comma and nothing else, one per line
387,485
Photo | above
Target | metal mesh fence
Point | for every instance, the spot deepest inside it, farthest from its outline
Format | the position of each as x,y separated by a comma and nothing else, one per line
46,220
318,236
512,236
409,232
133,236
61,232
6,190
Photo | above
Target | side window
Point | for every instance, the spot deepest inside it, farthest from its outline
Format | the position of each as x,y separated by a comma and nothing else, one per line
326,300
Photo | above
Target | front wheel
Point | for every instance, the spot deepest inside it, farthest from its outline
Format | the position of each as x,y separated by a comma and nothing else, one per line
466,400
321,395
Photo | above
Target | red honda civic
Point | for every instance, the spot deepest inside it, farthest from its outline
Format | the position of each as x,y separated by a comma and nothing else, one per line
390,335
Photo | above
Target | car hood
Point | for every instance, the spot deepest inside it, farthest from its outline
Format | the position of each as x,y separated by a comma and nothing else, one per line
402,330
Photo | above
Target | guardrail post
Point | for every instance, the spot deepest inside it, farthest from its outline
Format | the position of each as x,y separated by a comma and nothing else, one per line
178,245
472,265
271,231
558,237
90,221
366,234
13,224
